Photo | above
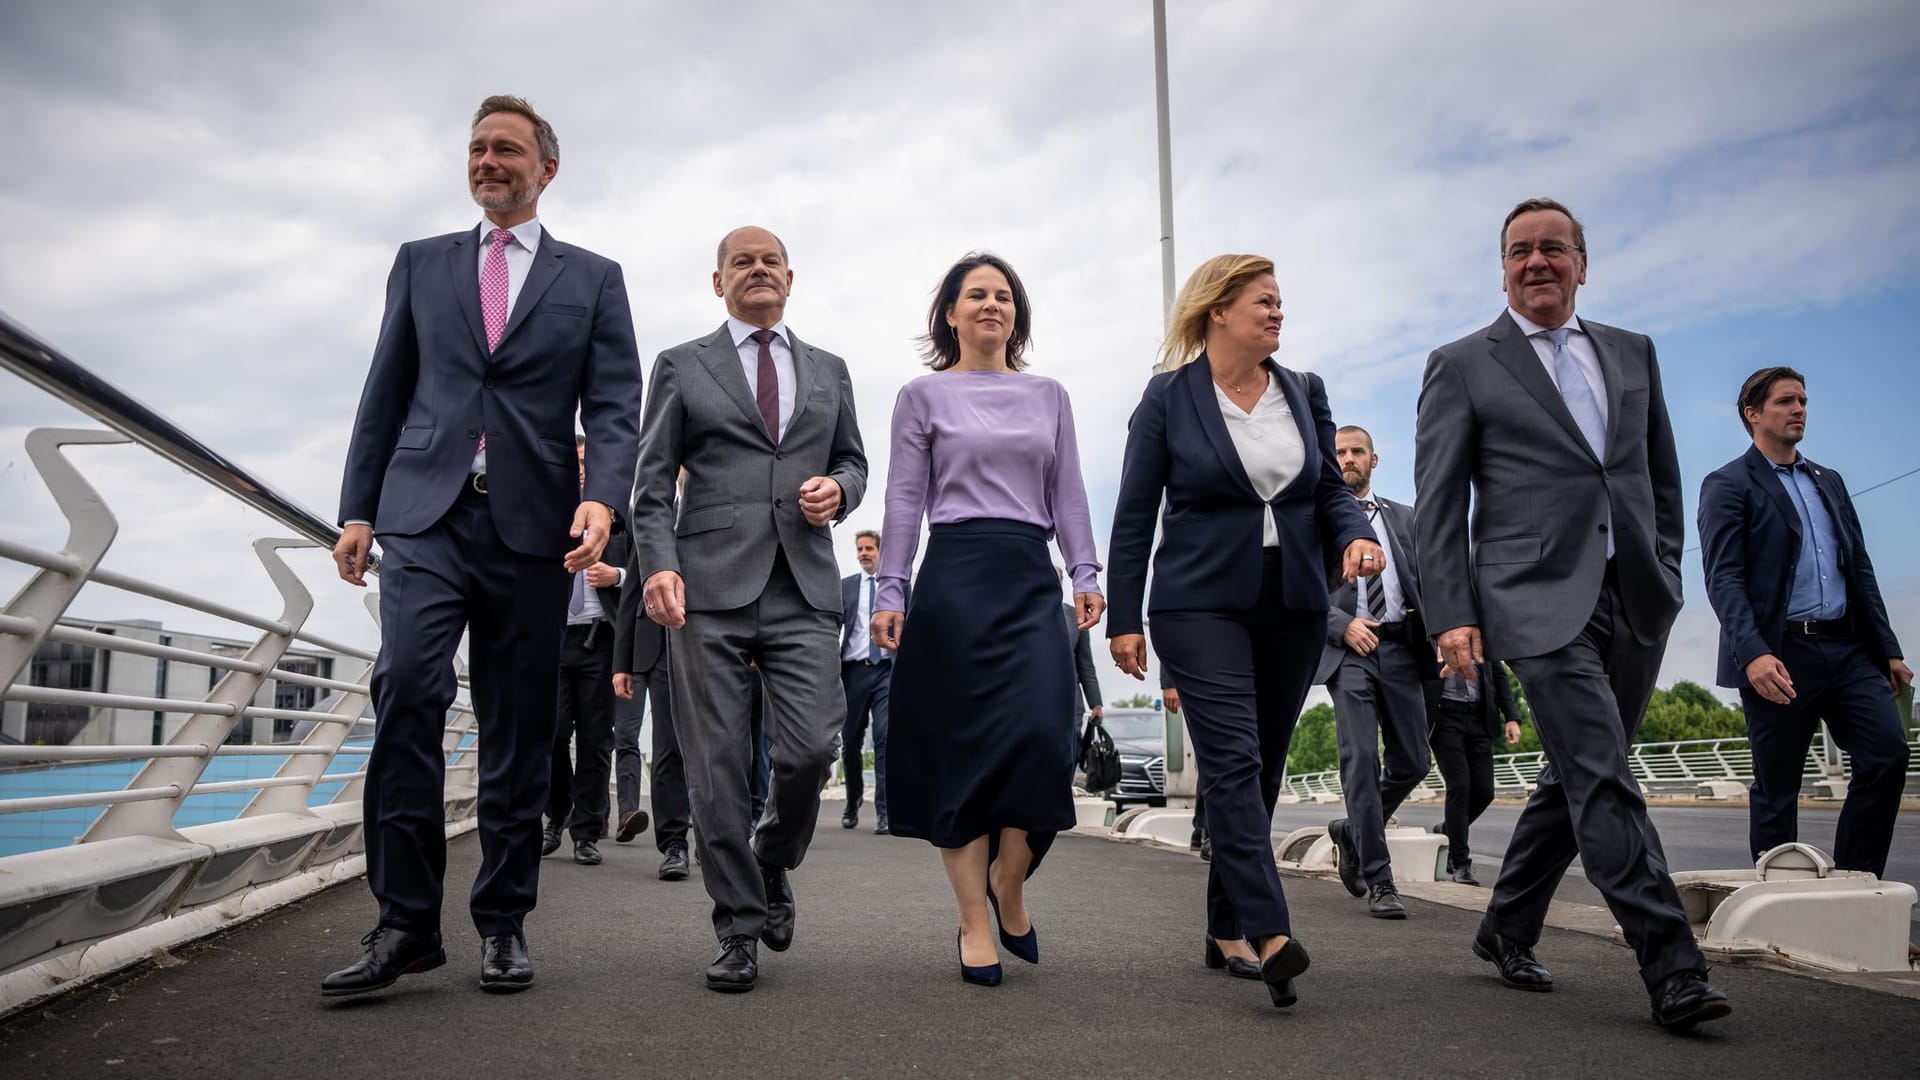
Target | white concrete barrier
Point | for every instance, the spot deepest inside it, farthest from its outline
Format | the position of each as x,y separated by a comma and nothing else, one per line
1721,789
1794,904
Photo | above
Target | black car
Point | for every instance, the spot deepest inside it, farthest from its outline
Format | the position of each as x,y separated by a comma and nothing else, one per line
1141,738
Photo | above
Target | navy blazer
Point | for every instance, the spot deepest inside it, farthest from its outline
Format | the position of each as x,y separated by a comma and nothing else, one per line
1210,554
1749,542
850,606
433,388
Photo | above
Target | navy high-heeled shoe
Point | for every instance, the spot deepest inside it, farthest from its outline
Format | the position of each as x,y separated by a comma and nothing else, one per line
1238,967
984,975
1027,945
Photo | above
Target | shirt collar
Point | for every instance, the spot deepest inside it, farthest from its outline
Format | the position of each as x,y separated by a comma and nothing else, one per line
1531,328
526,234
741,331
1798,463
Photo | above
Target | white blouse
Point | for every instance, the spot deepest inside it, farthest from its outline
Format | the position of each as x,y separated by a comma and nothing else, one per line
1269,444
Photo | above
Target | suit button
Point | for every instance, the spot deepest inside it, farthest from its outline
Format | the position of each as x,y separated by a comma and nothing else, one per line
473,433
1603,528
488,383
779,503
779,455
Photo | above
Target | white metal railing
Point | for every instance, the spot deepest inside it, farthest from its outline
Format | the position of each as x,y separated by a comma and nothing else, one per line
1669,764
166,883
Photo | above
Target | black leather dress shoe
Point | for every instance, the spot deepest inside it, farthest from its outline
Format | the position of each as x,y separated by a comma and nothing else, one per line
673,867
1518,968
586,853
504,965
1383,901
391,953
737,967
1349,860
1686,999
850,818
778,932
881,828
549,840
1279,970
1237,966
632,824
1462,873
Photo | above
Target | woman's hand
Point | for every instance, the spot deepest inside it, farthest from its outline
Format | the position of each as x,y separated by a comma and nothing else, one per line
1130,654
1089,606
1364,558
886,628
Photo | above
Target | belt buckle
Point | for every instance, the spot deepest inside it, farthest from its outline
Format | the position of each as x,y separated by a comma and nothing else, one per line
1804,627
478,482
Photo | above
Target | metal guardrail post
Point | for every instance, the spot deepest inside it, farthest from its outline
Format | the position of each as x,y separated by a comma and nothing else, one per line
91,529
236,689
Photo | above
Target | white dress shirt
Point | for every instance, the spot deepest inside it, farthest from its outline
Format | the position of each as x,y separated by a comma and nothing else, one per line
860,637
782,350
519,252
1388,601
1269,444
590,609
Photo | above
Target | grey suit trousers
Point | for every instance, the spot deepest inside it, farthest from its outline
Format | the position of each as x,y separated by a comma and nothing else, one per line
797,649
1588,698
1377,699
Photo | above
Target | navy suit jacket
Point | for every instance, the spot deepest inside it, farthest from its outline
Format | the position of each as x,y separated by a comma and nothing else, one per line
1210,556
433,388
850,607
1749,542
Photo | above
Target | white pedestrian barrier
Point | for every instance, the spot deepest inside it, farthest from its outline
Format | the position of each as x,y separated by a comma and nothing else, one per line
1794,905
1415,854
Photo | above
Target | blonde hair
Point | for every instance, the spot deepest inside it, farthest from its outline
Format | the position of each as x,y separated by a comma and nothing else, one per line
1212,284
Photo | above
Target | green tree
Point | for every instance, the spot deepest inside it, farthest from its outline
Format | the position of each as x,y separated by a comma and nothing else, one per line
1689,711
1315,748
1137,701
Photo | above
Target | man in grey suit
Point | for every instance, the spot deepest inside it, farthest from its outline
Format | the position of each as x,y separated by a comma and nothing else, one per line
1556,431
1375,663
1086,677
742,571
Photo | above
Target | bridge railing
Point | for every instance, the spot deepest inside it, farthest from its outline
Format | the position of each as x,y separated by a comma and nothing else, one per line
1670,766
136,879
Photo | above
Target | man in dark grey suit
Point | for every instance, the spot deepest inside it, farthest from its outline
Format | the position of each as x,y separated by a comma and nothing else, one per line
1554,430
742,571
1375,663
1086,677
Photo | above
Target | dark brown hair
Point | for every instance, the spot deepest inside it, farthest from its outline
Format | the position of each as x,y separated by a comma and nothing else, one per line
548,142
941,346
1529,206
1759,386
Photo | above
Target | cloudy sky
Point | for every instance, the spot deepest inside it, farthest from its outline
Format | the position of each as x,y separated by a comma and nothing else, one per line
203,199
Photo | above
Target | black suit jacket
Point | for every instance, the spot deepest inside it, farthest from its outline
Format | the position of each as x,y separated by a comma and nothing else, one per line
1496,698
1344,601
1749,542
1210,555
1086,677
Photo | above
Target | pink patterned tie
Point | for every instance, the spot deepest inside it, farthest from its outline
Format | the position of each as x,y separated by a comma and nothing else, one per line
493,294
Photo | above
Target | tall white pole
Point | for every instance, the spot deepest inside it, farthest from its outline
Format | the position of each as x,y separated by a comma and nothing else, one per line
1166,158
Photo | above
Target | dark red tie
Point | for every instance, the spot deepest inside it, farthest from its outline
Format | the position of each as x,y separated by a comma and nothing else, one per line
766,391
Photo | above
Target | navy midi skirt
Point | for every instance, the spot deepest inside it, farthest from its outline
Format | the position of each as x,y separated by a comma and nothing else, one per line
981,682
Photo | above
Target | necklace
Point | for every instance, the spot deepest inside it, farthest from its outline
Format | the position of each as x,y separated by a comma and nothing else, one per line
1241,386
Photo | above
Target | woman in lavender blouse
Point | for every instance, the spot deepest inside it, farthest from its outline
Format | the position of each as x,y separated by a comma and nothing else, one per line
980,755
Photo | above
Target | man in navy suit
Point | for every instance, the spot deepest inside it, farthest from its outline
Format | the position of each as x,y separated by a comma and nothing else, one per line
1803,633
462,462
866,671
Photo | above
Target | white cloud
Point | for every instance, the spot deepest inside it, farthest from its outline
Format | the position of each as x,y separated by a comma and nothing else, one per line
213,198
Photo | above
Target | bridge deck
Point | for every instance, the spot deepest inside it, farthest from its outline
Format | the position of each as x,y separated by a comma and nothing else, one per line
870,990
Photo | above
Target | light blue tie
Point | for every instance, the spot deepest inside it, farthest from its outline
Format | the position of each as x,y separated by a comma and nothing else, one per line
1578,393
577,603
875,653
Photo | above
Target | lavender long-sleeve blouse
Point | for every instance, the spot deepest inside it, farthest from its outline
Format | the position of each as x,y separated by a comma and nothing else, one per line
984,444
